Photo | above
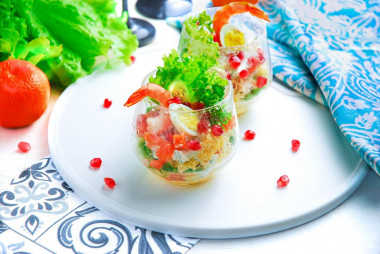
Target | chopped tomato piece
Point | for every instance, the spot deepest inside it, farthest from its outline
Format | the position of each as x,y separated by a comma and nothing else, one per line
165,152
179,141
152,140
157,164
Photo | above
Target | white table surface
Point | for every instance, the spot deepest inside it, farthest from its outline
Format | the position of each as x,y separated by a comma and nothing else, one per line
352,227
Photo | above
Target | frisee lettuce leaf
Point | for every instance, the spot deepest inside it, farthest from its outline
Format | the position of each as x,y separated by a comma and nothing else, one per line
64,37
204,85
200,28
200,39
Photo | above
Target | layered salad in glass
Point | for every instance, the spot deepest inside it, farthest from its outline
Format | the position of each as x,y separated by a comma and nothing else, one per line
185,122
236,36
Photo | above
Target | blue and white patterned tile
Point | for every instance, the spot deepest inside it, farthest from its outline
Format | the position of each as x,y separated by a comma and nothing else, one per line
12,243
36,199
88,230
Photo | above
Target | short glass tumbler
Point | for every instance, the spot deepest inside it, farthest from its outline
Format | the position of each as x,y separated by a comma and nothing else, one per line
248,66
182,145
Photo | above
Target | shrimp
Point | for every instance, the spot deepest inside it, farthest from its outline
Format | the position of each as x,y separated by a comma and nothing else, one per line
223,15
153,90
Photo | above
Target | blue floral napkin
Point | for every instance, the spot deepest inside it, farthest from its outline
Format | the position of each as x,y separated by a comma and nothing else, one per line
330,51
39,213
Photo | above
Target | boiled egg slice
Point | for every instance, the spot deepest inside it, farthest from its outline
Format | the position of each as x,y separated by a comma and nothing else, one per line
232,35
184,119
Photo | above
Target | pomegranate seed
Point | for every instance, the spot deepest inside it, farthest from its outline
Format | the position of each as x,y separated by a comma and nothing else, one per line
295,145
198,105
198,23
249,135
203,126
234,62
243,74
261,81
193,145
175,100
107,103
240,55
133,59
109,182
24,146
228,76
96,163
283,181
216,130
216,38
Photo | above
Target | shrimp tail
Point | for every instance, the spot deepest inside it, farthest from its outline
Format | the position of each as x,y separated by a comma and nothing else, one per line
258,13
137,96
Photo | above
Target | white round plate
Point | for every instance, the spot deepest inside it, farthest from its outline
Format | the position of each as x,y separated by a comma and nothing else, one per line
241,200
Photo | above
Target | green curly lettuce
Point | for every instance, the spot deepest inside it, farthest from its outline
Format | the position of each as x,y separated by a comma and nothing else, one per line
200,39
203,85
64,38
200,28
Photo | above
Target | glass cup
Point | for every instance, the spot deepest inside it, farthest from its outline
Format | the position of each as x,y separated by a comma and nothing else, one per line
181,145
248,66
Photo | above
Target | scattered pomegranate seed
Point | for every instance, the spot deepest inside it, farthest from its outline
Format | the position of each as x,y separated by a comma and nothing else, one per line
295,145
240,55
107,103
243,74
216,130
249,135
198,23
133,59
228,76
193,145
175,100
109,182
96,163
24,146
203,126
261,81
234,62
283,181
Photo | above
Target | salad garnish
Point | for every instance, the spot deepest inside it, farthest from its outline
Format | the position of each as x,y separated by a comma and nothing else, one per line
189,80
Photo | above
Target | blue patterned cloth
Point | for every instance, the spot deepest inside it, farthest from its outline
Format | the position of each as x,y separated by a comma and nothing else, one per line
330,52
39,213
339,42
